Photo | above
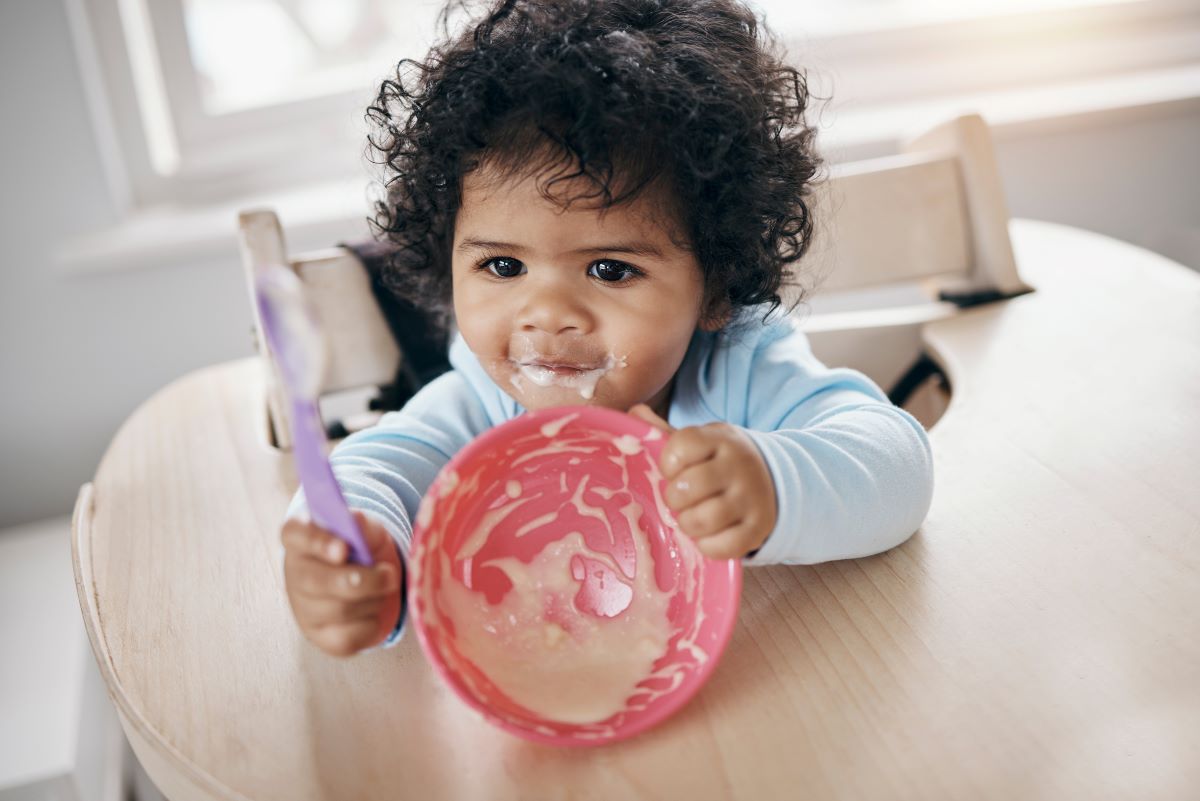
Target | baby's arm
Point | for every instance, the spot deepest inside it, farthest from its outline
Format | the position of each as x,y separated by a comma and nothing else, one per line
809,464
383,472
853,473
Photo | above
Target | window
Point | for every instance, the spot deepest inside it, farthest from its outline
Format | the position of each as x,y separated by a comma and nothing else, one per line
212,99
215,99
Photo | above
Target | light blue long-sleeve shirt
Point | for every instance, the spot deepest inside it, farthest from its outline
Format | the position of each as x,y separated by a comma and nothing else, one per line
853,473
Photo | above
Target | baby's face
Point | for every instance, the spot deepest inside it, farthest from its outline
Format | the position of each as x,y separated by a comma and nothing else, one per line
571,307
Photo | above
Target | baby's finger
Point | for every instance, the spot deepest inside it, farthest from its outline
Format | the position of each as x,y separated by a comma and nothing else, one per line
644,412
695,484
349,638
322,612
727,544
305,538
709,517
684,448
315,579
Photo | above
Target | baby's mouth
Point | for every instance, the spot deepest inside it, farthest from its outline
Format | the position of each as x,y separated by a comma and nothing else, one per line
558,368
548,371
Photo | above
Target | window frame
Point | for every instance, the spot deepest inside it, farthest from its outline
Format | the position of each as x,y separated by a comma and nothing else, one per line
216,157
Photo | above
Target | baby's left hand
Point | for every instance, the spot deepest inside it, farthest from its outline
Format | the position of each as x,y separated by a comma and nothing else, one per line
718,486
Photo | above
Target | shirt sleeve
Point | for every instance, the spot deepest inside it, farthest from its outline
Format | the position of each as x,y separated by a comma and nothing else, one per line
853,473
385,470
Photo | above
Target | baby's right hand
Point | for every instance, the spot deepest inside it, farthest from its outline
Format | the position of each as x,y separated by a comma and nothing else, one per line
342,608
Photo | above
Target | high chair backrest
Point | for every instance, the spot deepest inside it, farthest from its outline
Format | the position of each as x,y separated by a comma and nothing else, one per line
359,348
904,240
935,211
934,215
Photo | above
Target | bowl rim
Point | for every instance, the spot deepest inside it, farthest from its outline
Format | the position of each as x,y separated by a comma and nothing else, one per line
674,701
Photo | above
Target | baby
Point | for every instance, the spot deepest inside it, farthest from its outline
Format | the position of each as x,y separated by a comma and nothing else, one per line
607,198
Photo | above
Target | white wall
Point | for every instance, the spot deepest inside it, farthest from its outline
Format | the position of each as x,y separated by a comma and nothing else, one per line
79,353
1133,175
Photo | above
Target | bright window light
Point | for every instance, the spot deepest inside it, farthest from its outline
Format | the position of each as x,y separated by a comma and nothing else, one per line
252,53
823,18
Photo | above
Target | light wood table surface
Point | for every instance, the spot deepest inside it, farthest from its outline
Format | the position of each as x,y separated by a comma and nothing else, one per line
1037,638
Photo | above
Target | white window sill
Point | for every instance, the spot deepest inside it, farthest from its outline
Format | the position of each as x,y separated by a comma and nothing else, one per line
320,215
861,132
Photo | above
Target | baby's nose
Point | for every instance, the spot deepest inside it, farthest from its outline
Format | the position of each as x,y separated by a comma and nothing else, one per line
553,310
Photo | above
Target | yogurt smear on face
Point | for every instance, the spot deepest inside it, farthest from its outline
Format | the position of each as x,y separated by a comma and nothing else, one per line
584,381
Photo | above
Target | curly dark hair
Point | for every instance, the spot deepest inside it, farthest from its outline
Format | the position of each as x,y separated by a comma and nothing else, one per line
686,94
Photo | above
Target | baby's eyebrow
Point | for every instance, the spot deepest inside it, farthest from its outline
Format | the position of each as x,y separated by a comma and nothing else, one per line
629,248
470,243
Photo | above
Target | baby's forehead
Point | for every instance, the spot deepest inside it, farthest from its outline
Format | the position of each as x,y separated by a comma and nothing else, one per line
494,192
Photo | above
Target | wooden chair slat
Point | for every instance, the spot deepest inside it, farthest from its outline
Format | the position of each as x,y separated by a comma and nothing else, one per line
360,349
893,219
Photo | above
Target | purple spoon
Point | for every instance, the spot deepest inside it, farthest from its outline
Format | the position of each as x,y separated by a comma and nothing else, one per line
293,336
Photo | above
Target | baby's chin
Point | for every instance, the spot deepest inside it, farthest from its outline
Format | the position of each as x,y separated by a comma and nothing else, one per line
550,397
534,397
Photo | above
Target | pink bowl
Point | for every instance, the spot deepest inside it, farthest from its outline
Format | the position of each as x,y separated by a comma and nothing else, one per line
551,588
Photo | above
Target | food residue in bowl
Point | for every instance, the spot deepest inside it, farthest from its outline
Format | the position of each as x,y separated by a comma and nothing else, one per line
540,649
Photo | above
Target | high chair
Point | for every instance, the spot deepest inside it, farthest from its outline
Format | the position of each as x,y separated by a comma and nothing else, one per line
932,221
1031,640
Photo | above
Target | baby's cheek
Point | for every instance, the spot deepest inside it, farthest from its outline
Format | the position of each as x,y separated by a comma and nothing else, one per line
642,380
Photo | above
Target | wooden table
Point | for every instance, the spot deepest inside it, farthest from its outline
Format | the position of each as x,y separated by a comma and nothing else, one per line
1037,638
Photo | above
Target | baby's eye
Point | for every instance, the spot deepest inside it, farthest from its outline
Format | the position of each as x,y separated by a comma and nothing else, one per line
503,267
613,272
